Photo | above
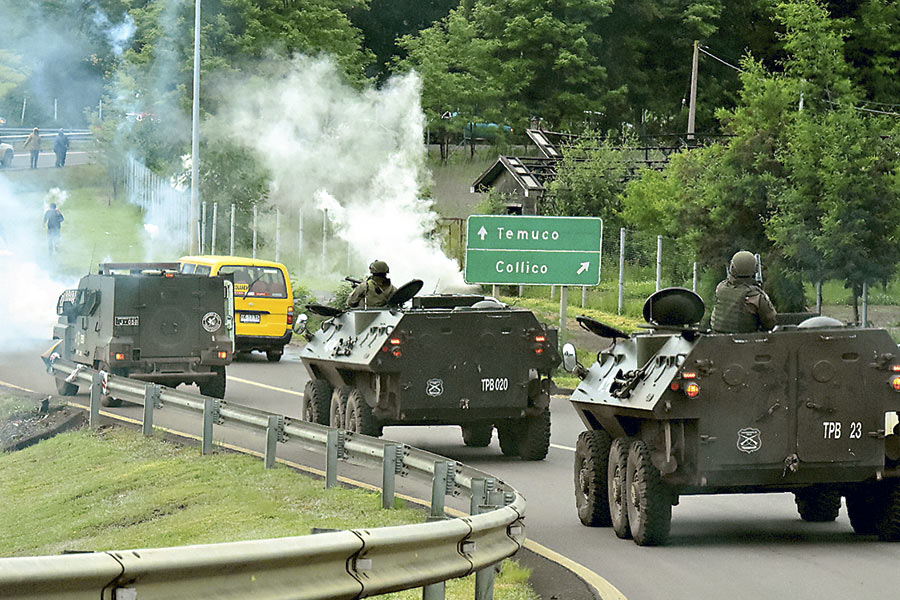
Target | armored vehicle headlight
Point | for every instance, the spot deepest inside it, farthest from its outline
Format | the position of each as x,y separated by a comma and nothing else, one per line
119,356
895,383
689,375
692,390
540,338
395,341
223,354
895,368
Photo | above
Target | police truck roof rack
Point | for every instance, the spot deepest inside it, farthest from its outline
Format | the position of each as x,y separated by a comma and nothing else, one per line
137,268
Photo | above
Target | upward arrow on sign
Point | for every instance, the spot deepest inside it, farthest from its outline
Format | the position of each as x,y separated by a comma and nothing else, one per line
482,232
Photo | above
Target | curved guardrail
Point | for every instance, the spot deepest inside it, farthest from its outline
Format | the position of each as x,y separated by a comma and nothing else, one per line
344,564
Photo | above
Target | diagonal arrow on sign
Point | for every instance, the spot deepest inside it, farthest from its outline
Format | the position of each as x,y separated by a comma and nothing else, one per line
584,267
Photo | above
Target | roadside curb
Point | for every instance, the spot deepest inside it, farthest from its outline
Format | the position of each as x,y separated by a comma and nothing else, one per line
74,420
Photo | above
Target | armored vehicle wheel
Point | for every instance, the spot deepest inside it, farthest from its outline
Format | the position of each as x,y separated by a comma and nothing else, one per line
274,355
337,413
649,500
477,435
591,459
509,439
214,386
889,521
65,388
818,503
615,480
863,508
535,440
359,415
316,401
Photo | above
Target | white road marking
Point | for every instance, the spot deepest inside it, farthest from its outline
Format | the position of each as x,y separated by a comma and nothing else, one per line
557,446
265,386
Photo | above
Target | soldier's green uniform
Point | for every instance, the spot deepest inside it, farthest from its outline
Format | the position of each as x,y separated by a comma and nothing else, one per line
375,291
741,304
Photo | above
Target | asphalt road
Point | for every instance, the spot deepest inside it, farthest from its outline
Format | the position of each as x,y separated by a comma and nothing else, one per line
739,547
46,159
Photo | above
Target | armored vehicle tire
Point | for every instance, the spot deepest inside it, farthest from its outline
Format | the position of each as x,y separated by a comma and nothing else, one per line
65,388
509,438
863,504
316,401
615,480
337,412
214,386
274,355
360,418
648,498
591,466
889,521
818,503
535,439
477,435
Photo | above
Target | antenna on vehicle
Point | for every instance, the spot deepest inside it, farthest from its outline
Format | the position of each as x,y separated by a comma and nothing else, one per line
91,264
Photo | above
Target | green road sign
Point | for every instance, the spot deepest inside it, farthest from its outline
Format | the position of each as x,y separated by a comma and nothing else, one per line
511,249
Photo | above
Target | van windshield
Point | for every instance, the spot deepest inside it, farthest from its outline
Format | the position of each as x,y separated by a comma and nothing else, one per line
258,282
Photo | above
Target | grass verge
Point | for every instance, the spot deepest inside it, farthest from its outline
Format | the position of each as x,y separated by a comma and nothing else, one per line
115,489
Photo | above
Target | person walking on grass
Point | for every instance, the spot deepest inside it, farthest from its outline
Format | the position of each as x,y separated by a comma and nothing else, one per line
60,148
33,145
53,219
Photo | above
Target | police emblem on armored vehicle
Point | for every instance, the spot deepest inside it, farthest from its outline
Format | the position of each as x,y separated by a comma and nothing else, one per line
211,321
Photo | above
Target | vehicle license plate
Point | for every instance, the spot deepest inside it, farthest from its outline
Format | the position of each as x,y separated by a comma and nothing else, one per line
249,318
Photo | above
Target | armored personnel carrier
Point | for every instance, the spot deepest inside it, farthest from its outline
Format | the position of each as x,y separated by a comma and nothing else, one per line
676,410
147,321
460,360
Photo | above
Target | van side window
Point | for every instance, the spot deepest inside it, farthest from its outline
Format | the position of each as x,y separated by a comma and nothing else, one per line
203,270
188,268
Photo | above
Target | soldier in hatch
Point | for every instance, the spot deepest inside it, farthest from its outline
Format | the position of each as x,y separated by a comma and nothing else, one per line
375,291
741,304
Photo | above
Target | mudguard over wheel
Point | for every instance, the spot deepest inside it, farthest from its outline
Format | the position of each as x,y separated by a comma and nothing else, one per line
337,411
359,415
509,438
215,386
65,388
591,464
316,401
617,488
864,505
477,435
818,503
648,498
535,440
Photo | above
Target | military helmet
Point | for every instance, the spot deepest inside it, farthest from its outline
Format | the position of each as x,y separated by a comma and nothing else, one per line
743,264
378,267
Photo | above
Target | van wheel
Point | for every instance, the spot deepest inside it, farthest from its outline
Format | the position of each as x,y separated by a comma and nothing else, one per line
591,458
7,158
648,498
617,488
535,436
338,406
316,401
214,386
274,355
65,388
477,435
509,438
889,521
360,418
818,503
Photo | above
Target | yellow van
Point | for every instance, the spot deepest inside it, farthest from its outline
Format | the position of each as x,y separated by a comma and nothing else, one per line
263,300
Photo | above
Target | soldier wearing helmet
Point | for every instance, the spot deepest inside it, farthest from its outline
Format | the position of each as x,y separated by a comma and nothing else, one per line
741,304
376,290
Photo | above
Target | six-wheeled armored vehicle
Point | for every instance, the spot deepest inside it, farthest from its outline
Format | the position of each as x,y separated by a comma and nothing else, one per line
150,322
460,360
677,410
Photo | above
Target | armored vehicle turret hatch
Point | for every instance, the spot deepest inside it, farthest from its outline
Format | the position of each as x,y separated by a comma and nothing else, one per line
462,360
678,410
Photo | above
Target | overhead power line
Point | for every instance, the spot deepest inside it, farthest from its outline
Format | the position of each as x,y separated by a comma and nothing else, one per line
704,50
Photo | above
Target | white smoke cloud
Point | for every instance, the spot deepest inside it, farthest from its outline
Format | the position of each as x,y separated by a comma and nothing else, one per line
28,304
118,35
359,153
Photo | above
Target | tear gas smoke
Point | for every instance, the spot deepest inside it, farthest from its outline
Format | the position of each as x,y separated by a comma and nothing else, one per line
358,153
28,304
118,35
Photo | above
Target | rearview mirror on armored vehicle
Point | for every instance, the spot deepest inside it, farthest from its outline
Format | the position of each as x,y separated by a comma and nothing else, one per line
300,323
569,357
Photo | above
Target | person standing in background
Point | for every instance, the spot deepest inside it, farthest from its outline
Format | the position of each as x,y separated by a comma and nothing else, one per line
53,219
33,145
60,148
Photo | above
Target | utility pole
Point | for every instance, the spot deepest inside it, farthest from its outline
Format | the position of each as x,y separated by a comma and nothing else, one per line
692,111
195,135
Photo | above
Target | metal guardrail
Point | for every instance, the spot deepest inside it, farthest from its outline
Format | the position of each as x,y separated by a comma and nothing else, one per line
344,564
17,136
